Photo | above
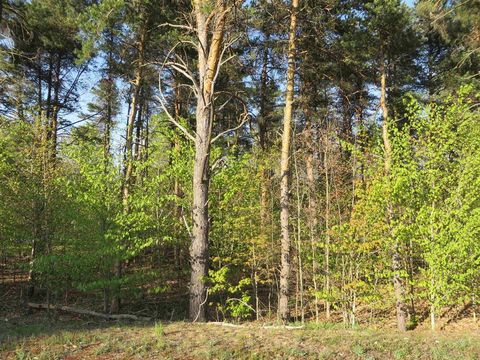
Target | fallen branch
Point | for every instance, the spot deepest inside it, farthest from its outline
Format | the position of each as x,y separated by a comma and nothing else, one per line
271,327
88,312
220,323
286,327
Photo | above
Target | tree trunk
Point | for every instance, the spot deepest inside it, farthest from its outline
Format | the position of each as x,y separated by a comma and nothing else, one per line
139,129
398,283
312,213
199,248
177,190
129,158
262,130
55,111
106,160
299,240
327,229
209,54
285,169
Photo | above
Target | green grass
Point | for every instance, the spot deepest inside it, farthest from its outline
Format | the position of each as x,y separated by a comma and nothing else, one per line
39,338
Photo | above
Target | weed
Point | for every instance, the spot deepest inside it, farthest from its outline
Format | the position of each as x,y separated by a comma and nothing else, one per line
160,335
20,354
399,354
358,349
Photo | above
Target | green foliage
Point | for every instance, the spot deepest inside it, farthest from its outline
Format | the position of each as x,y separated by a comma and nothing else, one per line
69,212
234,296
434,154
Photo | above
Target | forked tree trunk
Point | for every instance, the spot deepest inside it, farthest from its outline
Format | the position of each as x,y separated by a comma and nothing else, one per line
398,283
209,54
285,266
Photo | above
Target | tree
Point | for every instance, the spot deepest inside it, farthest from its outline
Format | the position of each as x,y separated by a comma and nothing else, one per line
210,27
389,21
285,166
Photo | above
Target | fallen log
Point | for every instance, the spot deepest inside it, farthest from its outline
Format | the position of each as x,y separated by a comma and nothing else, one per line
88,312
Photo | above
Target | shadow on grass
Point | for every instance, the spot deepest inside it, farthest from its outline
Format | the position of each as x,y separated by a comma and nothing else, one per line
18,329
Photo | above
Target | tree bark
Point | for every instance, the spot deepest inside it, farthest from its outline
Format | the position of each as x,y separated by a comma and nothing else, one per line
285,169
398,283
209,54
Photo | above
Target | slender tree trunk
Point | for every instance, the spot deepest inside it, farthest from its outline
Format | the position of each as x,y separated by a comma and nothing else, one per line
327,229
383,104
262,120
177,109
37,153
55,110
262,129
254,282
106,161
299,240
432,317
139,129
312,216
398,283
49,88
285,169
129,158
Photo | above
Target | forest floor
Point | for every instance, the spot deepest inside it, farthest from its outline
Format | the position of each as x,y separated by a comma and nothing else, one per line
69,337
35,335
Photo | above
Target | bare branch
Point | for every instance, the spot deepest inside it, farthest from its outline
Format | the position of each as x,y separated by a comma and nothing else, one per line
221,62
177,26
162,100
244,120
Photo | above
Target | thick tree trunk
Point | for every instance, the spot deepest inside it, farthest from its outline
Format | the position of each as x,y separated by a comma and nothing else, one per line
208,64
285,169
199,248
398,283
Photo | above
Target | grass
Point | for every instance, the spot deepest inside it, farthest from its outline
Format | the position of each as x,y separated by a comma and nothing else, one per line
36,337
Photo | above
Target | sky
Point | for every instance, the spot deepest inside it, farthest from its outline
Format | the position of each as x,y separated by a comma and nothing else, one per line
86,97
